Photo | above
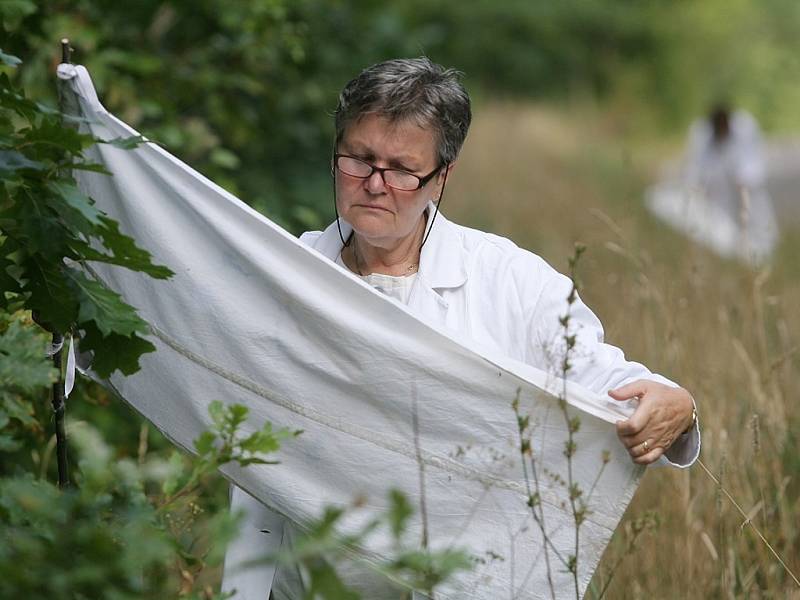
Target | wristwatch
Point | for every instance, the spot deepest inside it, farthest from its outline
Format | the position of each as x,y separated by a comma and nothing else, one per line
694,421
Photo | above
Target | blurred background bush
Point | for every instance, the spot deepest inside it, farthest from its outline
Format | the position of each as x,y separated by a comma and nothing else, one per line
244,91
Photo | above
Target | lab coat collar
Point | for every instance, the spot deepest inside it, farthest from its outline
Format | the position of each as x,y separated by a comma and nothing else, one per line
443,262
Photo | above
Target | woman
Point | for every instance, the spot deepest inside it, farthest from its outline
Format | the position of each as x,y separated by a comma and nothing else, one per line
399,127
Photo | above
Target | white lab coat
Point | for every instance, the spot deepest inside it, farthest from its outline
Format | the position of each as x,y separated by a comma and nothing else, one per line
503,297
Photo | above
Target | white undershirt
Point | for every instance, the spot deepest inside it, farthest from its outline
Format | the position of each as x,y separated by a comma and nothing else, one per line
398,288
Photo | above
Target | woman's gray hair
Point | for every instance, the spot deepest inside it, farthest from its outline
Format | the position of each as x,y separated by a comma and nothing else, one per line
414,89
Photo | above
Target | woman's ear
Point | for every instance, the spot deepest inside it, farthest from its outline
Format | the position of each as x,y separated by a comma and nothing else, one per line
445,173
441,180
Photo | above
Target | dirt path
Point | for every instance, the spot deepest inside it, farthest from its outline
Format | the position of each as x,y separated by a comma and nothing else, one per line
783,182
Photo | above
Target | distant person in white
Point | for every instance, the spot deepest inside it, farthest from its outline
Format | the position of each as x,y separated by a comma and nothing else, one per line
722,201
725,161
399,128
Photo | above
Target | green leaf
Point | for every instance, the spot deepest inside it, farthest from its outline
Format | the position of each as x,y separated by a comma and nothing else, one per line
326,525
104,307
266,441
18,407
49,292
13,100
87,166
236,415
326,584
175,470
33,223
8,284
77,200
244,462
23,362
400,511
217,412
126,253
51,138
426,569
126,143
113,352
260,441
204,444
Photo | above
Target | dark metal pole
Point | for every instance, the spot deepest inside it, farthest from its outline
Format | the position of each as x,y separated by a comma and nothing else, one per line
59,408
66,51
59,405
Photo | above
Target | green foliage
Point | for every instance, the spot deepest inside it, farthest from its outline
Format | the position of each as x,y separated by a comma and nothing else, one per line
426,569
421,567
244,93
320,550
24,369
100,539
325,582
226,87
123,540
399,512
48,227
223,444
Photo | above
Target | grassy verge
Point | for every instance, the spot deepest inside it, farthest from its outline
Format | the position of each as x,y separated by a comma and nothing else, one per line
728,334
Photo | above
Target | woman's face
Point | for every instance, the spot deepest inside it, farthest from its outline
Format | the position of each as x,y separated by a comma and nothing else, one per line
382,215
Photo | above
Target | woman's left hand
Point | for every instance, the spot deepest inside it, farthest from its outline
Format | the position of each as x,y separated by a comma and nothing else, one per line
663,414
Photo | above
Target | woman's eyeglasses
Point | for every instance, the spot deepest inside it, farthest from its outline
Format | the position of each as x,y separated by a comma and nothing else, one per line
393,178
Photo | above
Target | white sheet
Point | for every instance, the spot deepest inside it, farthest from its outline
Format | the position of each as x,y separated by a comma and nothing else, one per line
253,316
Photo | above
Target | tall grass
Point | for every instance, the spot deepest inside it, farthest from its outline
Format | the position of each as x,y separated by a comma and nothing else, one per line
729,334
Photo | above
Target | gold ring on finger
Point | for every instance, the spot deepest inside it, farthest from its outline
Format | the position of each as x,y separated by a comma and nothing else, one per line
646,446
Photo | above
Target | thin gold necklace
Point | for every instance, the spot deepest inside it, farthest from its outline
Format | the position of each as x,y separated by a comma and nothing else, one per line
411,268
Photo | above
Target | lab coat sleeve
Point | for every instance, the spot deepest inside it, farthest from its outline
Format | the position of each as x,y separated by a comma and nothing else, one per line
594,364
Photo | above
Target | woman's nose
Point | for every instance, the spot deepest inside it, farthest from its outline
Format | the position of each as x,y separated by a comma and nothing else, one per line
375,183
